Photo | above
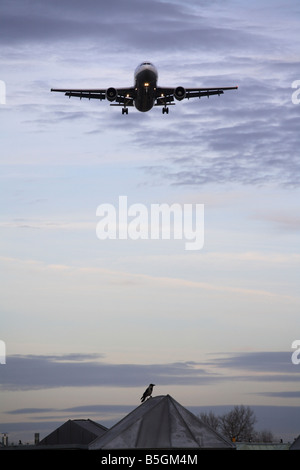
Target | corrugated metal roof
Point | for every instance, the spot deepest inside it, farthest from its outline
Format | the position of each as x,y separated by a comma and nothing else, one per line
160,423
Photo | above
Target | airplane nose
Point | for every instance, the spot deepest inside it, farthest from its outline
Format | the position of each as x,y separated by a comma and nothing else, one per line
148,76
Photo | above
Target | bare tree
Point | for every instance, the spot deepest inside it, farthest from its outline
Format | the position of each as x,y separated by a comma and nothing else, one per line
238,424
211,420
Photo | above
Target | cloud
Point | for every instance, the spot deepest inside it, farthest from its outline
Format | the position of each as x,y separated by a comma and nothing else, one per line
247,137
248,140
23,223
169,25
113,22
268,362
30,411
286,220
86,409
281,394
94,276
34,372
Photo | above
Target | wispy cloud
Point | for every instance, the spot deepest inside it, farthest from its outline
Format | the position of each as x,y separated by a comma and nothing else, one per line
281,394
34,372
31,372
115,277
267,362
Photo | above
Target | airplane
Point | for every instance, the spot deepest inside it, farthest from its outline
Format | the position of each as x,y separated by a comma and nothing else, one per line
145,93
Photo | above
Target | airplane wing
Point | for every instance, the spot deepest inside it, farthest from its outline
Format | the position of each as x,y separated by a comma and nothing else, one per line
121,97
166,95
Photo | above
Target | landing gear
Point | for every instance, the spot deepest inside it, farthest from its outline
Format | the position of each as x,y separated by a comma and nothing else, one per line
124,110
165,110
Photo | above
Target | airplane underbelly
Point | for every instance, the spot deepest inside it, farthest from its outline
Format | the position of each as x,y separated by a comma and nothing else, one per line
144,100
145,86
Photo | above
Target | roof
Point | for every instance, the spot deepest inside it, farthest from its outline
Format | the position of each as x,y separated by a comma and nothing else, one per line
261,446
160,423
296,444
77,431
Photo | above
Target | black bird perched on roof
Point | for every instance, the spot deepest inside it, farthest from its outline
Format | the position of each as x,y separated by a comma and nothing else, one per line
147,392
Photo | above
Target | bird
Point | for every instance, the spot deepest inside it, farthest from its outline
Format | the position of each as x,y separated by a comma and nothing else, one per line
147,392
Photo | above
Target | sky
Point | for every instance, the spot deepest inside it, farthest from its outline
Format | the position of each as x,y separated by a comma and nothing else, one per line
87,323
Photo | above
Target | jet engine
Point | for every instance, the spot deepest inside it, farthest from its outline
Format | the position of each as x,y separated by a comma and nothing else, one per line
179,93
111,94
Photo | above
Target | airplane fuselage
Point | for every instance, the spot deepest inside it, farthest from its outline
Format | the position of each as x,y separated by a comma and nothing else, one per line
145,82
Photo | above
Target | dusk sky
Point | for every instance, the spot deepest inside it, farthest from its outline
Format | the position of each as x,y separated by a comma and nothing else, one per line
89,323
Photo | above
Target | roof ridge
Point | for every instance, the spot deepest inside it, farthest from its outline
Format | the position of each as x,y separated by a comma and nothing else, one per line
204,424
129,417
184,421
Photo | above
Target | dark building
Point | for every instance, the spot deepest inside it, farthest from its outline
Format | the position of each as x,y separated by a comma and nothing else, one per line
74,432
